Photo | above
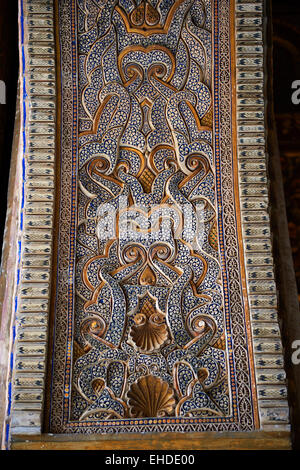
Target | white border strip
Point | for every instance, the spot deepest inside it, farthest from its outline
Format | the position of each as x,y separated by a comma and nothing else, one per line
38,103
254,201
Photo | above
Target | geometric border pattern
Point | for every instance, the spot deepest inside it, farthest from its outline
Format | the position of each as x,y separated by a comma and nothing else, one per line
38,129
254,202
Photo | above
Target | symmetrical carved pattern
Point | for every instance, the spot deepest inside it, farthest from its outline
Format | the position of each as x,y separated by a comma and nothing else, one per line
157,268
151,332
150,396
149,298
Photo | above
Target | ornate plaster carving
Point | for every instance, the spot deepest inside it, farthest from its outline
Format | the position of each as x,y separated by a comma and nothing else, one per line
196,325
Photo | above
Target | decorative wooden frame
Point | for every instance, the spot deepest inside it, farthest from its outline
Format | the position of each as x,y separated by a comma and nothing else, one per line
39,107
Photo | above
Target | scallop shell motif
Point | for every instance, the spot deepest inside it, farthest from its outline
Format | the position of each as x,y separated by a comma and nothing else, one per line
150,330
150,397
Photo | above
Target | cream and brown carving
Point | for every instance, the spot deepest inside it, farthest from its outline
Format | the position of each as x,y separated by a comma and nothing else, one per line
162,226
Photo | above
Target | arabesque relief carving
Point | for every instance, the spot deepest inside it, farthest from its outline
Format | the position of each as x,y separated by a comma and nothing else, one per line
146,296
149,322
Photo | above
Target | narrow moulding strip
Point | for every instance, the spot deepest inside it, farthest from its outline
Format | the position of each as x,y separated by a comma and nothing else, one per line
26,414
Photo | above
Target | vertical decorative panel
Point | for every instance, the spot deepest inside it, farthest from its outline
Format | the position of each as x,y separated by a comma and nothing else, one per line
163,296
254,203
37,153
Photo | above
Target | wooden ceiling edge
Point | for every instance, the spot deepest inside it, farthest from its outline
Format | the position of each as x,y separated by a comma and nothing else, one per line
256,440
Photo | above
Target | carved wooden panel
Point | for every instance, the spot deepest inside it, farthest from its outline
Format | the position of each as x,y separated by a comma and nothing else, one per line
163,312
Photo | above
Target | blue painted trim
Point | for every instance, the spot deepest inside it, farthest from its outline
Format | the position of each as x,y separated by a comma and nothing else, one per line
24,94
